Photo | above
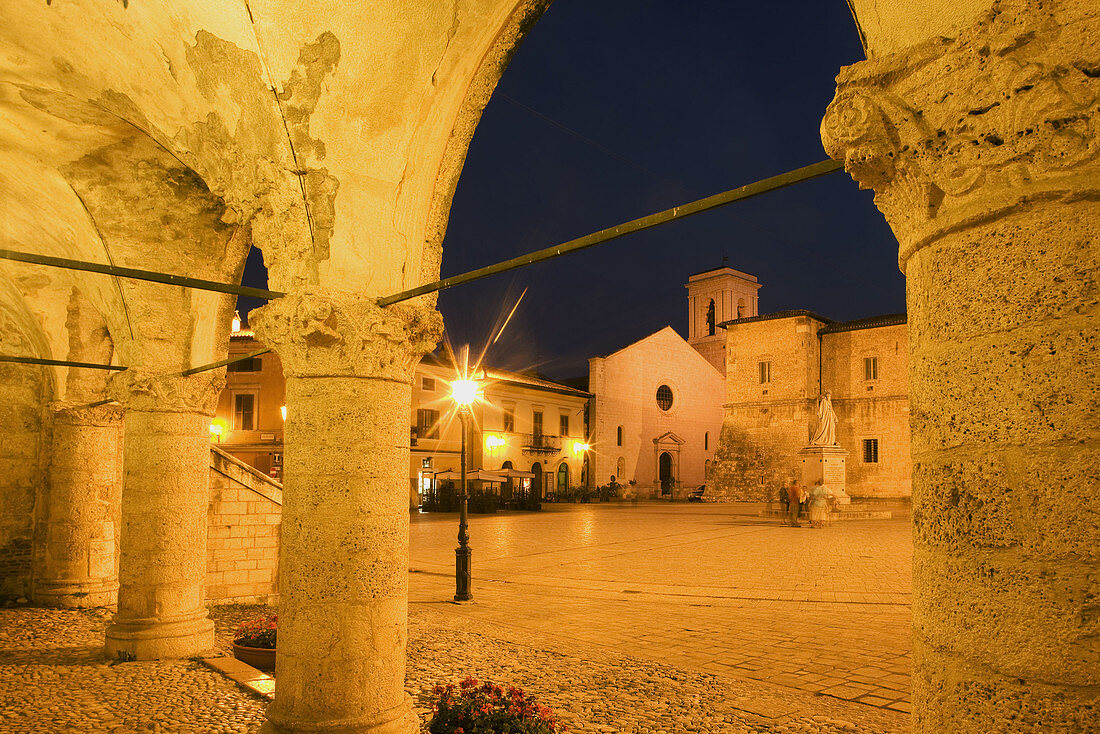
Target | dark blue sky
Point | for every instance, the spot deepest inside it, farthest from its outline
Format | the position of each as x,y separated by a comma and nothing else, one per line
614,109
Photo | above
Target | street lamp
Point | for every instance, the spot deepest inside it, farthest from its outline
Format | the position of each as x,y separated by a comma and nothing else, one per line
464,393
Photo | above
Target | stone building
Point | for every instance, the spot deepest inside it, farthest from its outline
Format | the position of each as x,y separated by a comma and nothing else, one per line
523,422
658,415
973,121
777,365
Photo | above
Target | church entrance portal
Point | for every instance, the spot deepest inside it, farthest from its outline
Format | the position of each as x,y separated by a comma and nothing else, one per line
665,472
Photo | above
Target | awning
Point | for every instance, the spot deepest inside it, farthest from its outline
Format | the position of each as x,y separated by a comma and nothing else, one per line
514,474
472,475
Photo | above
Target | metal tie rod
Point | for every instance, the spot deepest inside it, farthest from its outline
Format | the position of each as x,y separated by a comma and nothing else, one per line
798,175
95,366
61,363
150,275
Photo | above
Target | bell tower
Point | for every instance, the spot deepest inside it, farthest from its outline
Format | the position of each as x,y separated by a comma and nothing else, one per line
715,296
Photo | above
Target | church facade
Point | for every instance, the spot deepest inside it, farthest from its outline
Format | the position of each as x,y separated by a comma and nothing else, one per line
658,413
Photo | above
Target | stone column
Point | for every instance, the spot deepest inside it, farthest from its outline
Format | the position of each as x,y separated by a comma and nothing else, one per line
343,560
982,151
166,476
78,564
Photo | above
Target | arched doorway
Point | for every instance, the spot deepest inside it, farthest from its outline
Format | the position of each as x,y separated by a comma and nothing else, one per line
665,473
562,484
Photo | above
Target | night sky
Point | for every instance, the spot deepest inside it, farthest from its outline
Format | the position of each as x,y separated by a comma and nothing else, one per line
614,109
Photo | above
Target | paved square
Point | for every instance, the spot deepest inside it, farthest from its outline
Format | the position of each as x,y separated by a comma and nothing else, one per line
697,586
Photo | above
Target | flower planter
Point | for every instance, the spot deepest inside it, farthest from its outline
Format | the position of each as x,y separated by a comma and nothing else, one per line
258,657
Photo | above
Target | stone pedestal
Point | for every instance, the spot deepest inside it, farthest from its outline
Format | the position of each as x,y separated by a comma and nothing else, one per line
343,562
166,473
983,153
78,564
826,463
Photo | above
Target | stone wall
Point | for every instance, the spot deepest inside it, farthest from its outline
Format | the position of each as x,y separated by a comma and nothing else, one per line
871,409
21,473
243,541
766,423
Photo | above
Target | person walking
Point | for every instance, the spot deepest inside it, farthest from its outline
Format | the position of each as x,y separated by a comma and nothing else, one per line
818,497
784,504
793,493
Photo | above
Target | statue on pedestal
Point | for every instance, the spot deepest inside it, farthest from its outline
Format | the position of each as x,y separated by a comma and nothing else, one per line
826,422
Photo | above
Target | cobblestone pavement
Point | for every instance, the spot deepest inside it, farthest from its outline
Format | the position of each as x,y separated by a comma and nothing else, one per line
55,680
696,586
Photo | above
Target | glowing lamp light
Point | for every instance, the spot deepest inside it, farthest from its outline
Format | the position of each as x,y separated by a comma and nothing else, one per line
464,392
217,428
580,448
283,411
494,442
236,322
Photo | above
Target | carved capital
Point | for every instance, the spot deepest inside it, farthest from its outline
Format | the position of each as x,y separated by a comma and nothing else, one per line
342,334
955,131
84,415
143,390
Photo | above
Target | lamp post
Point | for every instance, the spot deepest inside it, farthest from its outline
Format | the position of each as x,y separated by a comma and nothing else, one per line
580,448
463,392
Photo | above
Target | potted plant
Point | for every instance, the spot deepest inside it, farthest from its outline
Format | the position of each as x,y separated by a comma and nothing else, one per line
483,708
254,642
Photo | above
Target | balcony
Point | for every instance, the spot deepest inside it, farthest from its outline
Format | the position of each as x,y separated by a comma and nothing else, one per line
540,444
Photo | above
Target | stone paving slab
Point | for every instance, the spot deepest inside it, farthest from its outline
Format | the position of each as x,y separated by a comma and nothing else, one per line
244,675
699,587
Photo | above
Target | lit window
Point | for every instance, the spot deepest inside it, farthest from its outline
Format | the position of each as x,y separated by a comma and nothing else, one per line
244,407
427,423
664,397
427,384
870,451
564,423
870,368
765,372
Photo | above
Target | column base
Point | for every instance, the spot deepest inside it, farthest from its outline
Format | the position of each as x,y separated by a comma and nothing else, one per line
399,720
76,594
160,639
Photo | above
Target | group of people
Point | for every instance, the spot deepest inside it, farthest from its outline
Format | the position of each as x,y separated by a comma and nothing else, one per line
815,503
